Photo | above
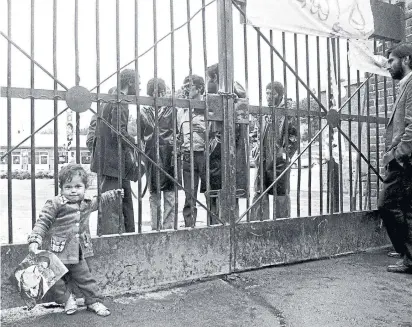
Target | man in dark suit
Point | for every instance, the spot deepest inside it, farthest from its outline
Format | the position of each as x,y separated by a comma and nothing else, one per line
107,149
395,204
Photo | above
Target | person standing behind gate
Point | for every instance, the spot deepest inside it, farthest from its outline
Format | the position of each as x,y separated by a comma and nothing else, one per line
215,146
194,87
165,123
395,202
109,159
286,146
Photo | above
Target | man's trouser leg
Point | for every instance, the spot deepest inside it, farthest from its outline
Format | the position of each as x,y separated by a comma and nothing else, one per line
168,209
110,213
128,211
395,208
155,204
283,197
189,209
81,276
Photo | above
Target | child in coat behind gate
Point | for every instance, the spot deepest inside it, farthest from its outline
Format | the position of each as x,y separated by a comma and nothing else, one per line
63,228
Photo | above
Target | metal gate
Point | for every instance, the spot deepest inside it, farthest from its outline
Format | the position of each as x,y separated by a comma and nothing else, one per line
313,103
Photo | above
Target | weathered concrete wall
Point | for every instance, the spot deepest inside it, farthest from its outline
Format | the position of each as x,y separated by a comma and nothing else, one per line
260,244
130,263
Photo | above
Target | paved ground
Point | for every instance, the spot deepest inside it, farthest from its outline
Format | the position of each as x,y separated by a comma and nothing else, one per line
348,291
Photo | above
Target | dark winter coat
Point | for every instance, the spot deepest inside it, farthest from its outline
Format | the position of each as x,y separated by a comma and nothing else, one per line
63,226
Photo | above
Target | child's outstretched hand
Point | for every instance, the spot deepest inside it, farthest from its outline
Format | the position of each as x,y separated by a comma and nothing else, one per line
121,191
34,248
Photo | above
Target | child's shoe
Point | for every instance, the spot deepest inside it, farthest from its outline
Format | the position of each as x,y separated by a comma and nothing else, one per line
99,309
70,307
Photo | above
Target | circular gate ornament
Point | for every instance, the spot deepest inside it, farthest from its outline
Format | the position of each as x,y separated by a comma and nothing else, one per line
333,118
78,99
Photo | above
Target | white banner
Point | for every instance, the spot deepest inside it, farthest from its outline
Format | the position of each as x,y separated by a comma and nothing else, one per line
351,19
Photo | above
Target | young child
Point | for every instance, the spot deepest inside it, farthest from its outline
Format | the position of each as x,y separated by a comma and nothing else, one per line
63,228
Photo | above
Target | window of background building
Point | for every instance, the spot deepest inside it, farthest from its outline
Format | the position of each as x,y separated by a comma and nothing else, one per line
63,157
85,157
41,158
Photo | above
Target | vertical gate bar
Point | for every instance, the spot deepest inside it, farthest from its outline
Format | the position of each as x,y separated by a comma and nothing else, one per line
32,123
274,126
368,141
393,84
192,166
225,48
138,117
175,127
295,45
348,93
156,108
248,139
77,78
359,140
261,171
339,134
55,103
119,139
320,126
309,128
206,113
97,145
330,189
9,157
376,124
285,92
385,90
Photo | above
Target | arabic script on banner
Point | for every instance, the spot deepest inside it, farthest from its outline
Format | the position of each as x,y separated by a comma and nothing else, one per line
329,18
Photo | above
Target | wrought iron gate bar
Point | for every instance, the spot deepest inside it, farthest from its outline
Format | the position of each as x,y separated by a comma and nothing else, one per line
320,123
274,127
309,127
138,116
9,161
32,121
207,137
77,73
55,105
41,94
295,43
28,56
351,206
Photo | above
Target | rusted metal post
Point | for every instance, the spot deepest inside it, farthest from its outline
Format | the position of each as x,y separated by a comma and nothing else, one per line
225,49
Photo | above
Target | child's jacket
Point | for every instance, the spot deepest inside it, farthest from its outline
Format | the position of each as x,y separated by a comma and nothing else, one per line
63,227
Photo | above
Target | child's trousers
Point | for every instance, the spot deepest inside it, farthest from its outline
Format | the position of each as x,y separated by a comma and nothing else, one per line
81,276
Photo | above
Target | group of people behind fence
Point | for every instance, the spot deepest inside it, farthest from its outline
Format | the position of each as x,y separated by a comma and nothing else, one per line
174,143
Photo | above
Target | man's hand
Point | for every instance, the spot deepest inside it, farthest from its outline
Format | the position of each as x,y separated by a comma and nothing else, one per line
121,191
34,248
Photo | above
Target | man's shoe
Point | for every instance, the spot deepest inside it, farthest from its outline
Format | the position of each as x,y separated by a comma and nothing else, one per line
393,254
400,268
71,306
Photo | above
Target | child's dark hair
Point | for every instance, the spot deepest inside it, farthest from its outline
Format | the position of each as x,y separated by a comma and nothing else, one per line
68,172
